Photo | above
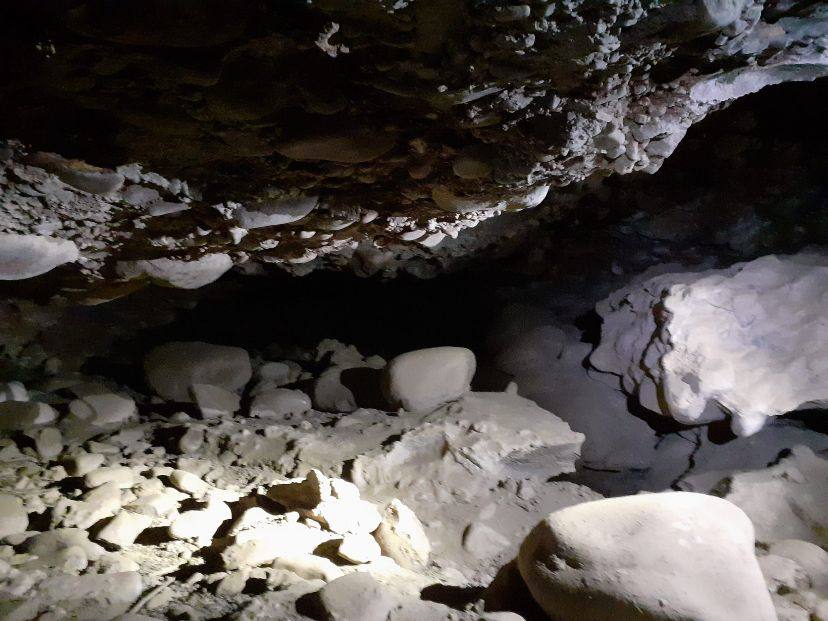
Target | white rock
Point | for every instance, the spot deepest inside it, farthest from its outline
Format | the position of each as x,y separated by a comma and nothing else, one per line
13,516
189,482
214,401
346,516
469,461
722,341
91,596
401,536
48,442
48,544
275,212
83,463
785,501
810,557
178,273
309,567
124,528
232,584
200,525
279,403
482,541
97,504
103,408
330,394
426,378
259,546
13,391
344,490
782,573
17,415
191,441
304,493
279,373
653,556
121,476
173,368
362,548
356,596
27,256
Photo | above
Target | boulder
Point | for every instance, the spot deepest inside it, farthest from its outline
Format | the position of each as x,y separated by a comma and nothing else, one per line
19,415
670,556
703,346
178,273
27,256
426,378
214,401
279,403
787,500
13,516
173,368
401,536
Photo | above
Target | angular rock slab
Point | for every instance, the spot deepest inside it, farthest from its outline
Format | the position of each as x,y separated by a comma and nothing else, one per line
652,557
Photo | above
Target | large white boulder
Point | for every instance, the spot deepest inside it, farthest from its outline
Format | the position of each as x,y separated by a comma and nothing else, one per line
750,341
479,461
671,556
27,256
173,368
426,378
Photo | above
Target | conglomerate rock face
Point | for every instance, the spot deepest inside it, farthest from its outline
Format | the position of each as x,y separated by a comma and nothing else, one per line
356,134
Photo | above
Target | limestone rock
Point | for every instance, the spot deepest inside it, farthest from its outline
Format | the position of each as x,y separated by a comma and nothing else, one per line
309,566
401,536
121,476
178,273
359,548
199,525
214,401
697,346
27,256
103,408
304,493
262,545
478,460
13,391
124,528
356,596
13,516
810,557
19,415
279,403
426,378
275,212
785,501
665,556
346,516
173,368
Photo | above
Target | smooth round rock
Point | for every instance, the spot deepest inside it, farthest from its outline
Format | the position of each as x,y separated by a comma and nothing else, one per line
426,378
665,557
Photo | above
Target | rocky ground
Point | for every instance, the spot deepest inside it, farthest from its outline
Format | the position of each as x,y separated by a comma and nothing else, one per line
209,481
